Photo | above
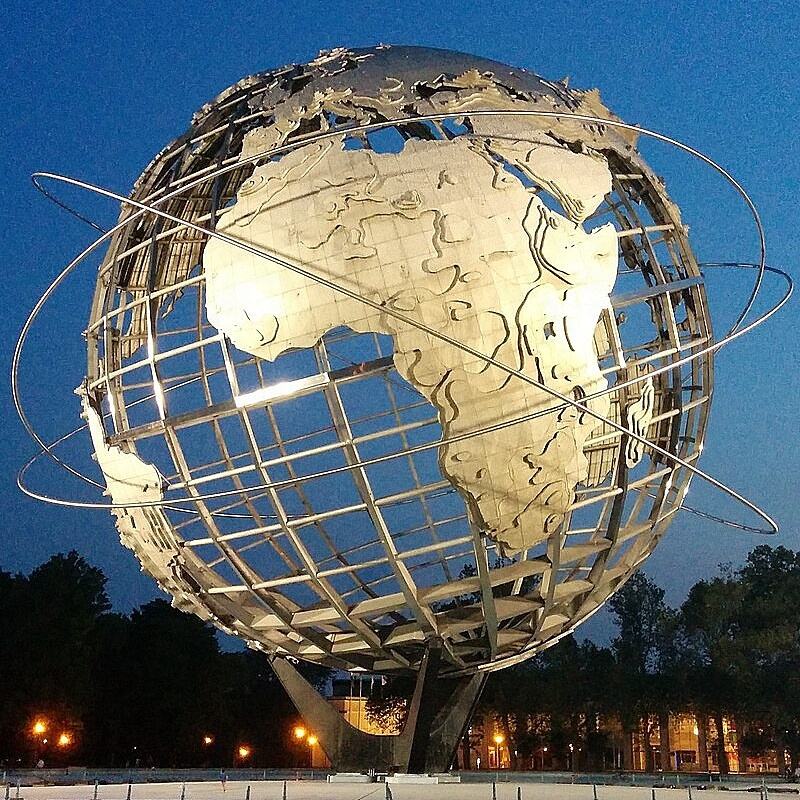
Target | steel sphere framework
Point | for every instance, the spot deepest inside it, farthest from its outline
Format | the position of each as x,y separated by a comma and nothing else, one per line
424,574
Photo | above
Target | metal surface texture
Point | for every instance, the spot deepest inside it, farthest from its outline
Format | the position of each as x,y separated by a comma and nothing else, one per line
292,484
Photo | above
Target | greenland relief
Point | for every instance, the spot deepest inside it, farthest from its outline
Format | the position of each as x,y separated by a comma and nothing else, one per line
444,233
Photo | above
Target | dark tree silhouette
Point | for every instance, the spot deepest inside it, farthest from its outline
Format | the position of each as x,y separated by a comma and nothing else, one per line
147,687
642,649
46,648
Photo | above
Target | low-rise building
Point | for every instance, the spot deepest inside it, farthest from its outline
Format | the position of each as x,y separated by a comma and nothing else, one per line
597,744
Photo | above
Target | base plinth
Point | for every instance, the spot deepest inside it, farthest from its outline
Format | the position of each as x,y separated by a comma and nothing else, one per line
439,711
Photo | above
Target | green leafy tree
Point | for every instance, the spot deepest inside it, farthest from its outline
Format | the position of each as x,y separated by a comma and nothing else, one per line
46,649
717,663
643,651
769,635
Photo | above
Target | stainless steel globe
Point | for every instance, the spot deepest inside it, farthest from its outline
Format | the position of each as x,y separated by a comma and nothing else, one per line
376,392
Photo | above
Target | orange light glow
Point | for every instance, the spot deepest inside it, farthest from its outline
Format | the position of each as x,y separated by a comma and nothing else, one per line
65,740
39,727
499,738
207,740
312,740
299,732
244,751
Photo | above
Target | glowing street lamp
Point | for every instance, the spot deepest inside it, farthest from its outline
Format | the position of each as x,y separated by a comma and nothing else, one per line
299,732
244,751
64,740
39,727
208,740
311,741
498,739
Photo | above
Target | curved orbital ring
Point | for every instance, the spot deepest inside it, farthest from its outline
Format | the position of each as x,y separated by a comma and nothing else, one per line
321,136
143,208
25,488
259,253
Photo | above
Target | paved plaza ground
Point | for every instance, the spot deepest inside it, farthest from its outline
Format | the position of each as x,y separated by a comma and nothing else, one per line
319,790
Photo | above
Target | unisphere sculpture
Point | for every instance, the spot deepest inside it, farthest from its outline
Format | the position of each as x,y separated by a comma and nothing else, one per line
424,399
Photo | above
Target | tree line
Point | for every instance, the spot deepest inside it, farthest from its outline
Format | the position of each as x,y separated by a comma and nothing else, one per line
149,688
154,688
731,651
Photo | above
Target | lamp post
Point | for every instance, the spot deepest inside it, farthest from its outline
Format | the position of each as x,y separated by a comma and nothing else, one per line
498,739
243,753
300,735
38,731
207,749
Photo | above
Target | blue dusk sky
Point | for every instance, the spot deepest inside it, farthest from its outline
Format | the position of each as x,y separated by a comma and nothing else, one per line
96,89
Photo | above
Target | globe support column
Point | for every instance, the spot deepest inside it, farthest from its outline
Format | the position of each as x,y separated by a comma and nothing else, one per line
437,716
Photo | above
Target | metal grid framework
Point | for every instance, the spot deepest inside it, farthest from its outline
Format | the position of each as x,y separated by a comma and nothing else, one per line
358,566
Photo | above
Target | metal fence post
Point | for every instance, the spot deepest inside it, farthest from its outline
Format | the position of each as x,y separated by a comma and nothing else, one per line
519,793
247,793
594,791
494,791
8,790
128,796
284,790
183,791
94,795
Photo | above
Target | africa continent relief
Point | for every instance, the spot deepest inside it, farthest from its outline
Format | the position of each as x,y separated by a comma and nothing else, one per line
455,235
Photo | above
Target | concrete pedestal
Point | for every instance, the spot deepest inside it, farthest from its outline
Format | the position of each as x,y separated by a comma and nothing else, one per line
437,716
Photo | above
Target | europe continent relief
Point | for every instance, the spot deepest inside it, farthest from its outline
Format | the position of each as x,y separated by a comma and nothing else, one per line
445,233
